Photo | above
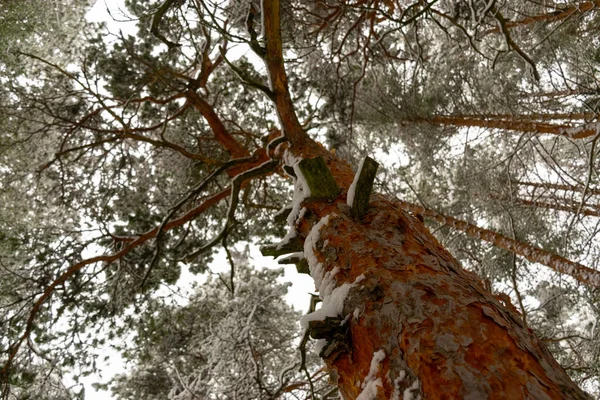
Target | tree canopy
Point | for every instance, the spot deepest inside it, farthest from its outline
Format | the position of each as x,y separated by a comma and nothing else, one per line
127,161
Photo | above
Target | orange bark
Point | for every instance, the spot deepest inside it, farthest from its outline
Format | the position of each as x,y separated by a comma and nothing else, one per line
233,147
442,334
277,77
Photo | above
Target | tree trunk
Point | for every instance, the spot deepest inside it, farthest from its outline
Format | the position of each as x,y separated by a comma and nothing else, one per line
400,317
585,275
559,15
414,322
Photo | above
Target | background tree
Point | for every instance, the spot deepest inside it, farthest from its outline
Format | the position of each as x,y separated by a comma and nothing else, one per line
129,155
228,341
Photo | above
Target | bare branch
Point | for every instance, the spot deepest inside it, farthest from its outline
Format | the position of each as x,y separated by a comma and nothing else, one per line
512,44
157,18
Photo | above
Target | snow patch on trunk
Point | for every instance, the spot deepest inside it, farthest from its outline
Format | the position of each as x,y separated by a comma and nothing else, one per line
328,282
290,159
370,391
301,192
352,189
371,384
333,305
333,297
408,393
378,357
397,382
310,245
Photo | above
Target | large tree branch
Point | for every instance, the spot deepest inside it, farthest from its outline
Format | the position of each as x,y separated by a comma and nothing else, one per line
278,79
233,147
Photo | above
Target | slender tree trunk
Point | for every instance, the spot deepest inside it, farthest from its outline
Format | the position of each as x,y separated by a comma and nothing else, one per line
584,130
583,274
590,210
558,15
562,187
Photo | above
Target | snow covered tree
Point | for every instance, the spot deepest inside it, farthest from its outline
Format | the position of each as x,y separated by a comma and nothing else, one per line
134,160
227,342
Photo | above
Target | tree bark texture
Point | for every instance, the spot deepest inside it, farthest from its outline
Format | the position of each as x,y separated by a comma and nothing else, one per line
417,323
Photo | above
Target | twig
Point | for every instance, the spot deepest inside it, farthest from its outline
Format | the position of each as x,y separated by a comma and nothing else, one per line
158,16
512,45
236,185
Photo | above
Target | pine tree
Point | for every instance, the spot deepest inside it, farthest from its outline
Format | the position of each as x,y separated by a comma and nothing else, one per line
155,149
